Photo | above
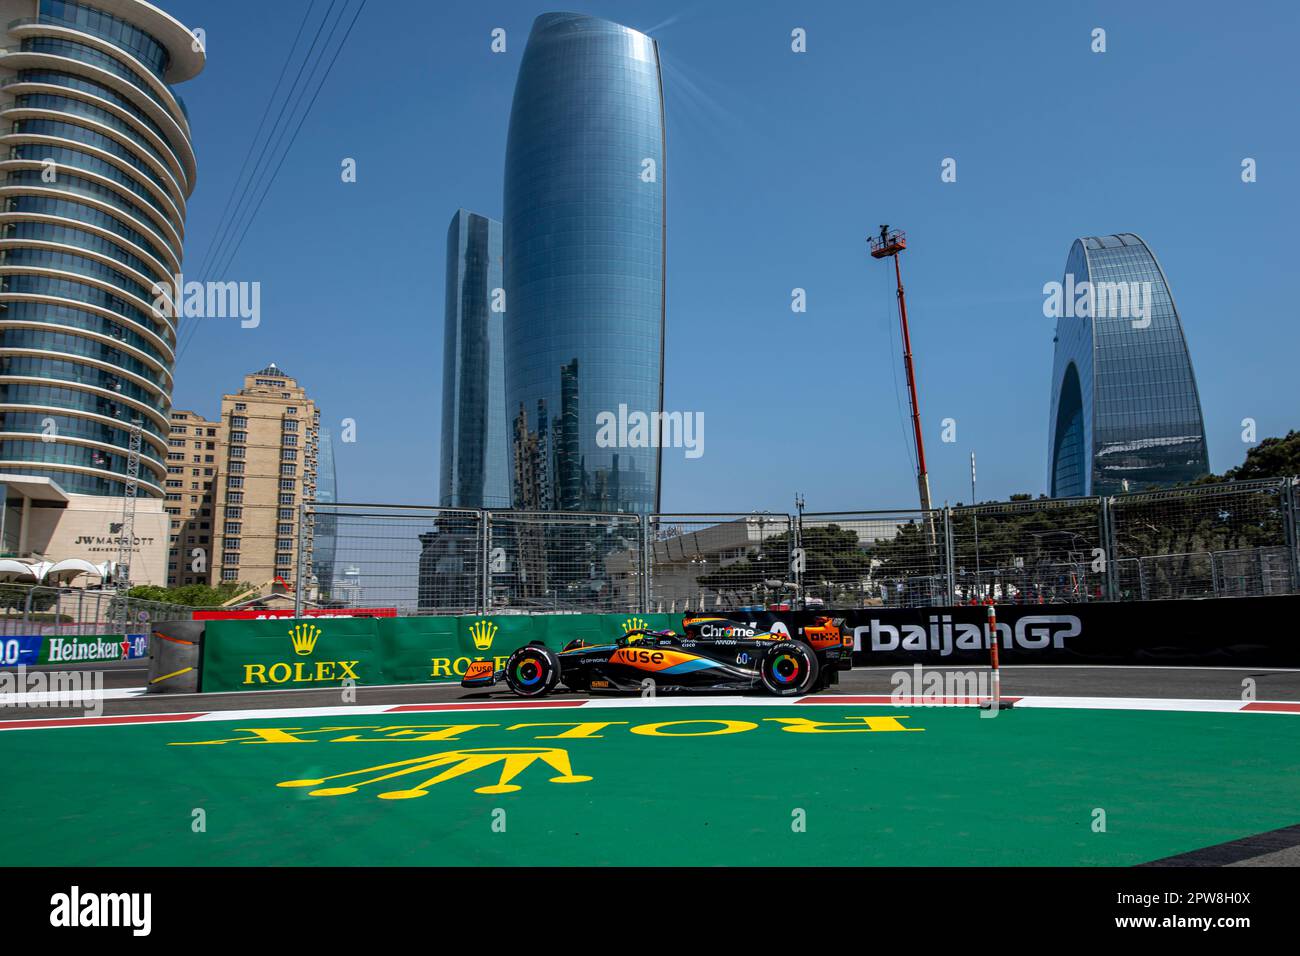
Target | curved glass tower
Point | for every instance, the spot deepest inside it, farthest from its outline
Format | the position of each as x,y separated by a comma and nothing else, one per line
95,177
584,265
1124,398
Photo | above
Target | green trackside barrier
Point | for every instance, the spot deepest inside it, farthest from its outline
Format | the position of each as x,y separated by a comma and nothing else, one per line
324,652
288,652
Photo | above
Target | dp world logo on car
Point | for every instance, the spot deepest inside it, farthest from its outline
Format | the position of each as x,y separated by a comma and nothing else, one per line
303,640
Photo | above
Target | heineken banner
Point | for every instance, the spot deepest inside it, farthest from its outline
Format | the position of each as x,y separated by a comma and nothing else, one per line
33,649
325,652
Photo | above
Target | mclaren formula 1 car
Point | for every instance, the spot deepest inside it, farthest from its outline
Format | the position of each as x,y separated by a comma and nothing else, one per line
714,654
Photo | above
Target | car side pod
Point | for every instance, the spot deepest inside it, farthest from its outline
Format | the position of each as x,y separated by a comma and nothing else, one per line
479,674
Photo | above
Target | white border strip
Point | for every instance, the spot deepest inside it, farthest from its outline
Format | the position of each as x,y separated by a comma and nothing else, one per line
415,710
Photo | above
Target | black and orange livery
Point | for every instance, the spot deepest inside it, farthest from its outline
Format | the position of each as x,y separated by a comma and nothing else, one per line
713,654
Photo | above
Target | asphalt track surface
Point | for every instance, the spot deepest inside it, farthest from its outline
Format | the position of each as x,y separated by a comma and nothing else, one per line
1053,680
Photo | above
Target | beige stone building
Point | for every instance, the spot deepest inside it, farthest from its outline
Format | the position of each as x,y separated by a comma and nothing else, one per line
44,524
196,446
266,467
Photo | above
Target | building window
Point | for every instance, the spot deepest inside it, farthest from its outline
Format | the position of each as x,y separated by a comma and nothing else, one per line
287,484
232,544
235,498
290,426
238,421
238,438
284,544
286,528
234,513
288,469
235,481
233,527
286,499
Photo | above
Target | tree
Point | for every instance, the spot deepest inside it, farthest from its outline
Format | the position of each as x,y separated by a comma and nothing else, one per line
14,596
190,595
1271,458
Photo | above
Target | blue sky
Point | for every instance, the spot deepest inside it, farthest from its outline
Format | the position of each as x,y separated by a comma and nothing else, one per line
779,164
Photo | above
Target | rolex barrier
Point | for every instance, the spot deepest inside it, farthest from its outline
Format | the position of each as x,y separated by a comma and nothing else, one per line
327,652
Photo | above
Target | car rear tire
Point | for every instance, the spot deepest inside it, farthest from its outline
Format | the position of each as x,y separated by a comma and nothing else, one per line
789,668
533,670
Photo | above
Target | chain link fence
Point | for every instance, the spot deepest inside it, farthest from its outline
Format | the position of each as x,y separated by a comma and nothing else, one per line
66,611
1226,540
873,558
720,561
1233,540
1049,551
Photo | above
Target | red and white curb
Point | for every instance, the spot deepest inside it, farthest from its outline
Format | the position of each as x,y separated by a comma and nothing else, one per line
840,700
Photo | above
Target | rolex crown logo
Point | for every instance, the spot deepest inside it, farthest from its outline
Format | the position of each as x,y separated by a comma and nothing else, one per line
513,761
634,624
482,632
304,638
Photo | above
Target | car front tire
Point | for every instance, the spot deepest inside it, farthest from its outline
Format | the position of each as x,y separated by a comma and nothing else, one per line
533,670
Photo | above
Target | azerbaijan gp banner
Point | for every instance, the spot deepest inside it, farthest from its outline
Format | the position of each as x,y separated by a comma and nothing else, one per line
326,652
1213,632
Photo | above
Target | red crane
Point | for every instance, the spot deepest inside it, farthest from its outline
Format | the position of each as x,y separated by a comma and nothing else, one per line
885,245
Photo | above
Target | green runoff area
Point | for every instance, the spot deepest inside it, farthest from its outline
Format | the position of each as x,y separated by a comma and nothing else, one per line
802,784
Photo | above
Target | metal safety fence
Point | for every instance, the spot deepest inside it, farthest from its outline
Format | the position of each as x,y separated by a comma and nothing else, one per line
67,611
1225,540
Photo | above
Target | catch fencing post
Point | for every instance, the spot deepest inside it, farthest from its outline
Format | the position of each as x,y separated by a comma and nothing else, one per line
1110,548
644,590
485,561
302,557
949,558
1292,512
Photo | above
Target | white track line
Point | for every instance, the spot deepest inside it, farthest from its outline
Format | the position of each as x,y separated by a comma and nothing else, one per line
42,696
827,703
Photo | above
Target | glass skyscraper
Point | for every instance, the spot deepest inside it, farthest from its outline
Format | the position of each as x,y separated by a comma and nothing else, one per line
1124,398
584,263
475,464
325,528
97,170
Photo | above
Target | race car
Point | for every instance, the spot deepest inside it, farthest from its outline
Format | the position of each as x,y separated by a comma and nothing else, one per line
713,654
